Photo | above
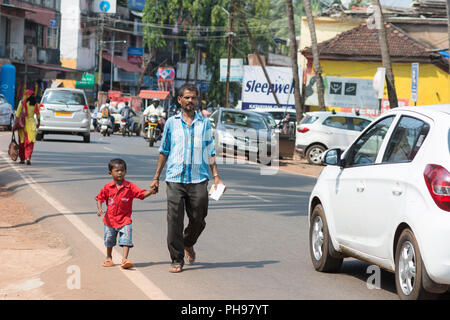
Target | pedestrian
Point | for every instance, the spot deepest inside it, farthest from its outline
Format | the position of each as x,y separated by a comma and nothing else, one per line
27,135
119,195
188,148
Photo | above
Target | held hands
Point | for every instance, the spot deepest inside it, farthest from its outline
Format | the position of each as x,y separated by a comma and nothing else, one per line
100,212
154,186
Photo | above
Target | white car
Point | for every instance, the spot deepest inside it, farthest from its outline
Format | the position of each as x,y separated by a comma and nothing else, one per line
322,130
6,114
386,200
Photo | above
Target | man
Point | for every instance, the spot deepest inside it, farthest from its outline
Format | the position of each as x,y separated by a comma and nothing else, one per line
187,145
127,113
155,108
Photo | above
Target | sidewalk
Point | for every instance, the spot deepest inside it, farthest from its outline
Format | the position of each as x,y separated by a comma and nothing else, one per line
27,249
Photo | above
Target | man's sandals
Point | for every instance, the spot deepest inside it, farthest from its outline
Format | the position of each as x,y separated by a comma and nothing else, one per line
190,254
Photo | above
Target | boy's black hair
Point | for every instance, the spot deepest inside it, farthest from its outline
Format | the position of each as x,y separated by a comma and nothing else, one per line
114,162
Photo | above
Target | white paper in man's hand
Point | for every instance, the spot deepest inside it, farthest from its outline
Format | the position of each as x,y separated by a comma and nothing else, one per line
216,193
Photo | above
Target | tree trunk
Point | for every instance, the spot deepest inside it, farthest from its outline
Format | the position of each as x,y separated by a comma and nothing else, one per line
385,56
315,52
188,68
146,66
296,80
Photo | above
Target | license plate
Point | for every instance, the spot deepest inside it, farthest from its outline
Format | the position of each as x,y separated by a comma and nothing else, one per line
63,113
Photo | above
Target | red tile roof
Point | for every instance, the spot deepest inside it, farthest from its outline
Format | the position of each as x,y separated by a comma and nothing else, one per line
364,43
122,63
150,94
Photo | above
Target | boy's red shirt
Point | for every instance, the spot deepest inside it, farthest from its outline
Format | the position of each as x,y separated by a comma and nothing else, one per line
119,202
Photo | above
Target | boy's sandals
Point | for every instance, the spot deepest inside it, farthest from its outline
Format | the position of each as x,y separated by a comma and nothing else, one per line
190,254
108,263
175,268
127,264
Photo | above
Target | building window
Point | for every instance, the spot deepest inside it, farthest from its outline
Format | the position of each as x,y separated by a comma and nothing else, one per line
40,36
49,4
52,38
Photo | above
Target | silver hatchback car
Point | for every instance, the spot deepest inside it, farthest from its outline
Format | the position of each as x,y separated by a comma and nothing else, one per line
64,111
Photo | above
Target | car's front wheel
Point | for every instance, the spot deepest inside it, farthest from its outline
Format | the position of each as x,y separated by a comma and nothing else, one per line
323,256
409,269
11,123
314,153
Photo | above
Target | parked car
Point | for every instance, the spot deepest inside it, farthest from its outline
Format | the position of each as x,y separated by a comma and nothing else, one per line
6,114
322,130
64,111
278,114
239,130
386,200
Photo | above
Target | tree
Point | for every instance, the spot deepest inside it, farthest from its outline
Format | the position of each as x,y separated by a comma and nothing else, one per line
294,51
385,56
315,52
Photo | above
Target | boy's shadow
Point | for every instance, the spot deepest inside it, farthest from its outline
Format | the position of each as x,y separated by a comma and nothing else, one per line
208,265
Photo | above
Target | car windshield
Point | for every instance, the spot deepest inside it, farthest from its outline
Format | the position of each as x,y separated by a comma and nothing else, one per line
270,119
64,97
307,119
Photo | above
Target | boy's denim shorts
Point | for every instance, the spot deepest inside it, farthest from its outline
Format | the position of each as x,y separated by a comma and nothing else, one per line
125,236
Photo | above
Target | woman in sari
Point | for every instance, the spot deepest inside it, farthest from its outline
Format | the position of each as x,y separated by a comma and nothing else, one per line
27,135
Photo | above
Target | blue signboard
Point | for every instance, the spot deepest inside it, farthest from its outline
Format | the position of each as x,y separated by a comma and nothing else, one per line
414,81
135,52
136,4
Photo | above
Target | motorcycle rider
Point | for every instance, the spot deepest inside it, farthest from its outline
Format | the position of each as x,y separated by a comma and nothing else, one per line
155,108
127,113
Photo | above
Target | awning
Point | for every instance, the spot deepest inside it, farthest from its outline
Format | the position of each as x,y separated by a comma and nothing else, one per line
150,94
13,11
48,71
122,63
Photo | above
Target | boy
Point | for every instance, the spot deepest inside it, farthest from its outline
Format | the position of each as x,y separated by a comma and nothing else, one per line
119,195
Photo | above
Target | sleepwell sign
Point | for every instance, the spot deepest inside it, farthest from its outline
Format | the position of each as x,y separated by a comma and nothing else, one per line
257,94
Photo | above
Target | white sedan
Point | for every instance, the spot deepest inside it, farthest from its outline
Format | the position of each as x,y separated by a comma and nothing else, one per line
386,200
6,114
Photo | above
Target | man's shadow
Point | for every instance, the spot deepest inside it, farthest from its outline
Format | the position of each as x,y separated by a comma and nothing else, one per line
215,265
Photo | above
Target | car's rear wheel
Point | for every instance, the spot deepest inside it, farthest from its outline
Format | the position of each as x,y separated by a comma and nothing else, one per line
314,153
39,136
323,255
11,123
87,138
409,269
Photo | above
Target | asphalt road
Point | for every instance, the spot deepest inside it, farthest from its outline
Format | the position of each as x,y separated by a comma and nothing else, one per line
255,245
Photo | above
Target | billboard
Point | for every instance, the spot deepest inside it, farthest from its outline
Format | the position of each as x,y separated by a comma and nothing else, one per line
135,55
236,69
136,4
104,6
256,93
343,92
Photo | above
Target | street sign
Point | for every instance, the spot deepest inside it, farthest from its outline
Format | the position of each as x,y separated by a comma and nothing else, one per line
236,70
104,6
414,81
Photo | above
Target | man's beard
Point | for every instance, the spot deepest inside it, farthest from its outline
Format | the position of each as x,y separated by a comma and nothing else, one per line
188,107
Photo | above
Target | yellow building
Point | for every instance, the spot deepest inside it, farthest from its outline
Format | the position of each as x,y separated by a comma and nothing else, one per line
355,53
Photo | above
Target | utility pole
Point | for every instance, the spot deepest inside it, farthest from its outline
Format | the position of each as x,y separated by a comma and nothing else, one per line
296,80
315,53
230,51
112,57
100,54
385,56
252,40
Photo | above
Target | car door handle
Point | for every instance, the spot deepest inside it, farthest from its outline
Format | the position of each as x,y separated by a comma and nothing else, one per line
360,187
397,191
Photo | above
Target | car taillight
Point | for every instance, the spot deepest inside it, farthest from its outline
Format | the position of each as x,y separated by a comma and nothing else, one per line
302,130
41,106
437,179
85,109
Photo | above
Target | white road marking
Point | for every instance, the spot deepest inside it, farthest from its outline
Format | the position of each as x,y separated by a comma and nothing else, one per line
106,148
152,291
250,195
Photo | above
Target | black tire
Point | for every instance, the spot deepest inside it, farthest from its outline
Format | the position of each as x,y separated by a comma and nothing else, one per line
138,131
104,133
323,255
151,139
39,136
411,287
313,154
123,133
87,138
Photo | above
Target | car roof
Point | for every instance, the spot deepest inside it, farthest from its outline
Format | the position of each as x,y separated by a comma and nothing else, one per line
242,111
436,109
341,114
65,89
273,110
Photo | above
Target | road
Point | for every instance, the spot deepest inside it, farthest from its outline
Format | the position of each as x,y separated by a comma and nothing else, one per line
255,245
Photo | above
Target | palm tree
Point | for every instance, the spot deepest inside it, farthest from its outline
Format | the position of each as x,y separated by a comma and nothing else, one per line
315,52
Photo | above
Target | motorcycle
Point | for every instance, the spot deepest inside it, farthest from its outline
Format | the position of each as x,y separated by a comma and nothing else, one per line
125,127
106,126
153,131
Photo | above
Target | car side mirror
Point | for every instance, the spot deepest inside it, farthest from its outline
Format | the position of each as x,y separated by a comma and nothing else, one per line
213,124
332,157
